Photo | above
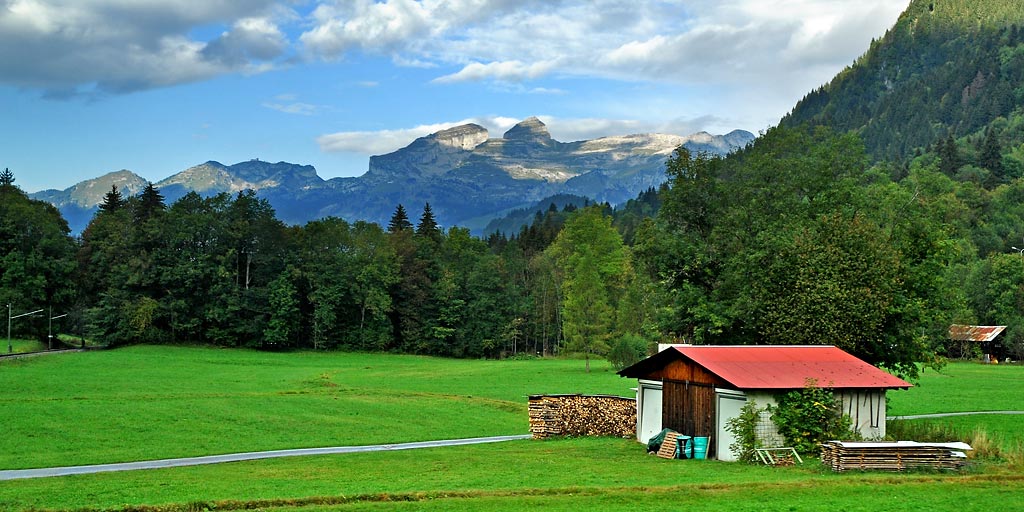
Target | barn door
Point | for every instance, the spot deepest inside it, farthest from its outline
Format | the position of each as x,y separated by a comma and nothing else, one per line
689,408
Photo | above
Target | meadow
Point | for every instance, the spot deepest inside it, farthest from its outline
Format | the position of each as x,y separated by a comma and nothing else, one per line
158,402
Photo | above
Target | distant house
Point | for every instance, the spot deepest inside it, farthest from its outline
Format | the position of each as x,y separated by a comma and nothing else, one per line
695,390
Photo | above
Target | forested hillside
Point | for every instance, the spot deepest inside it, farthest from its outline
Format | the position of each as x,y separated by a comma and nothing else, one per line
948,67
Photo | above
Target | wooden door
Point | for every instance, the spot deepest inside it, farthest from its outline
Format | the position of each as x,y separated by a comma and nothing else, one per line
689,408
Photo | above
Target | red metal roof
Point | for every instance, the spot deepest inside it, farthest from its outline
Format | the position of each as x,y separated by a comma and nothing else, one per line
777,366
975,332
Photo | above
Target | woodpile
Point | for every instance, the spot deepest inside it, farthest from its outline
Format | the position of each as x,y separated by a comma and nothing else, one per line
893,456
582,415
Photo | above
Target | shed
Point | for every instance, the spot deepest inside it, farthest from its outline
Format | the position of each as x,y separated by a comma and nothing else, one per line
981,335
697,389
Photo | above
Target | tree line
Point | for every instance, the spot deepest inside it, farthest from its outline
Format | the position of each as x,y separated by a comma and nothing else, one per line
224,271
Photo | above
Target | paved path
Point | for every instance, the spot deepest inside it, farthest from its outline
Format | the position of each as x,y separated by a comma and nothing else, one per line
24,355
948,414
235,457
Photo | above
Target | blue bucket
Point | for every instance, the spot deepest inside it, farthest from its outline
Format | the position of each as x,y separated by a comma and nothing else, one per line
700,447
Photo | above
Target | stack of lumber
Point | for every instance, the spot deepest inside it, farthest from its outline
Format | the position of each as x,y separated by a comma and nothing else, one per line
582,415
893,456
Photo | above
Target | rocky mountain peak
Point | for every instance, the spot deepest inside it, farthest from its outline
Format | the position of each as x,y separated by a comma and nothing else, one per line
529,130
465,137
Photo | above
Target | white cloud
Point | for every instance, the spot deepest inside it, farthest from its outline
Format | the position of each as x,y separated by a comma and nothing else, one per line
298,108
508,71
68,47
689,42
250,39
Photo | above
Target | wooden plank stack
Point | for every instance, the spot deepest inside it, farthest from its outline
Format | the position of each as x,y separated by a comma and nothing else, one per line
582,415
893,456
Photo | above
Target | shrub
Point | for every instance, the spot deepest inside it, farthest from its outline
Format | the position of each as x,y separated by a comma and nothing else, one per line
810,416
744,430
627,351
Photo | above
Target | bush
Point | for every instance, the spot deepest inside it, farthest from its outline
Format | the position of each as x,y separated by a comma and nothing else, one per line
744,429
627,351
810,416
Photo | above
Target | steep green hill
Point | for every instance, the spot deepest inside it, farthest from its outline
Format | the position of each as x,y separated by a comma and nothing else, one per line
948,67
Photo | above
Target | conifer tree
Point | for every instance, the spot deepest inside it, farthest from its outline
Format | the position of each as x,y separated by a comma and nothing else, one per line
949,156
112,201
991,156
428,225
6,178
150,202
399,220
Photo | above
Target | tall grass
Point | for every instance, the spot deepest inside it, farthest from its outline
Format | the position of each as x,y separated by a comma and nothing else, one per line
984,445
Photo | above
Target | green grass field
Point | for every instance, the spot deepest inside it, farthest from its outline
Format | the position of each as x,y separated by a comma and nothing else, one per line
158,402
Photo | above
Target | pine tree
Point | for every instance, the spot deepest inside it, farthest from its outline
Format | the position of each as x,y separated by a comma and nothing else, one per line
112,201
949,156
428,225
399,221
991,156
150,202
6,178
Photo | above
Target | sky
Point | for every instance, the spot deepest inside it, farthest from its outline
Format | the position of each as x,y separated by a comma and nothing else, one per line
89,87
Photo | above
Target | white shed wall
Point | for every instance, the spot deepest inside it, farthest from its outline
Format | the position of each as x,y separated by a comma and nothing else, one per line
866,409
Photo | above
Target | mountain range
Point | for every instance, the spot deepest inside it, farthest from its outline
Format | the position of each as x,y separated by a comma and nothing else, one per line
467,177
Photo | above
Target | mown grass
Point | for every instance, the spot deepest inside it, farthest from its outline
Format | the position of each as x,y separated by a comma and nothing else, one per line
968,387
961,387
144,403
156,402
556,473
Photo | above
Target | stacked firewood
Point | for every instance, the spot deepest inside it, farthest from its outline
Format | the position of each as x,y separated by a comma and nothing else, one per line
893,456
582,415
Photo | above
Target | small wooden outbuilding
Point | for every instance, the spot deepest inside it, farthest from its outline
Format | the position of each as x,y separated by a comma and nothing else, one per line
695,389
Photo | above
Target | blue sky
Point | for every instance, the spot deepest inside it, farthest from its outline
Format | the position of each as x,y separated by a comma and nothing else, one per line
156,86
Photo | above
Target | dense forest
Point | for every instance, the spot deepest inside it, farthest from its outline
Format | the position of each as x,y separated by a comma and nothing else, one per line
223,270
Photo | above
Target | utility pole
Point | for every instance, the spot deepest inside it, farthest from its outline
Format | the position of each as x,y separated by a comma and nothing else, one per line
49,330
10,347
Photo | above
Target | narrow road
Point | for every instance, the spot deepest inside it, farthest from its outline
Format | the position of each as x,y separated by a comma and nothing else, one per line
948,414
15,474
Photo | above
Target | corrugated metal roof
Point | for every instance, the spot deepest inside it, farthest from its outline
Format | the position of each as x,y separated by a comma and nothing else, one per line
975,332
776,366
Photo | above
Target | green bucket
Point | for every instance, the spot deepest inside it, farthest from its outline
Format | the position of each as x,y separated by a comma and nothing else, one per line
700,447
